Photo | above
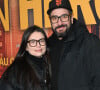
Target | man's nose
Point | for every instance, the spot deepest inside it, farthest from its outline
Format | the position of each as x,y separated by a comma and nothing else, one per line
59,21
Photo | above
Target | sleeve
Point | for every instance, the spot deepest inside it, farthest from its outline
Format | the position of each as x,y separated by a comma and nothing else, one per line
93,58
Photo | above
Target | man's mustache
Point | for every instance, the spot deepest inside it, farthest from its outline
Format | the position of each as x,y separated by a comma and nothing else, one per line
61,26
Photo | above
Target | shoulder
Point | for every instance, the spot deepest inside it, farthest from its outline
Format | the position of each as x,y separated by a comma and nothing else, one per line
14,68
91,38
91,44
19,61
82,32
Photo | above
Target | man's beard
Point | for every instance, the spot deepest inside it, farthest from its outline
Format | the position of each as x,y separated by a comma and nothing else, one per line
63,34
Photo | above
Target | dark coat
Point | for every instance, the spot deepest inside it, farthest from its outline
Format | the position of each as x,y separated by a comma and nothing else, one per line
28,73
75,60
6,86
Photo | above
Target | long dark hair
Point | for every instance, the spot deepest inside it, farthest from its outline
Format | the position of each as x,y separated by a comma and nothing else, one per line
21,74
25,37
30,78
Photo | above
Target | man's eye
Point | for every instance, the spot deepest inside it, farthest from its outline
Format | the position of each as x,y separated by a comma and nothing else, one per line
65,16
53,18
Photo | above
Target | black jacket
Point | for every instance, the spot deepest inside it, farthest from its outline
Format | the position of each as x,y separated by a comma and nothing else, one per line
75,60
6,86
28,73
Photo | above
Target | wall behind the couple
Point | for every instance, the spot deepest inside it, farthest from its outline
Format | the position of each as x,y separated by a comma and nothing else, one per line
17,15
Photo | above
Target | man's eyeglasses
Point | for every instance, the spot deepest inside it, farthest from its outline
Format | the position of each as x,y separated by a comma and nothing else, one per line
63,18
33,42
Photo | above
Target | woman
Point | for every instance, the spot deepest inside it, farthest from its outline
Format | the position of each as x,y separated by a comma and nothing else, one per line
30,70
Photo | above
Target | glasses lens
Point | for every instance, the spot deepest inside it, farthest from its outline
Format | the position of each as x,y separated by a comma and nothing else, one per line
54,19
64,17
42,42
32,43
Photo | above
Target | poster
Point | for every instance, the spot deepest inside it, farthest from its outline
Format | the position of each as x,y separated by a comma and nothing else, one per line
17,15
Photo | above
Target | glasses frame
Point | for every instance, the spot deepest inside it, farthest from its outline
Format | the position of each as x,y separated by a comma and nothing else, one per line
59,17
36,41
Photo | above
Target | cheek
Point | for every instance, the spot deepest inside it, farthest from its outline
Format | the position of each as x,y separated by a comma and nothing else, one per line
54,26
67,23
44,49
30,50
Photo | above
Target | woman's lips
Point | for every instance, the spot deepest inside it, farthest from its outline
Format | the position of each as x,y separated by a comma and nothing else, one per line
39,50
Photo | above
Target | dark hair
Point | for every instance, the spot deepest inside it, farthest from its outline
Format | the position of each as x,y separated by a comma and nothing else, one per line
23,74
25,37
5,85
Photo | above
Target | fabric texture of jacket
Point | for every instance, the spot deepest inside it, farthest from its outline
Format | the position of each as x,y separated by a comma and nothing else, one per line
75,60
28,73
5,86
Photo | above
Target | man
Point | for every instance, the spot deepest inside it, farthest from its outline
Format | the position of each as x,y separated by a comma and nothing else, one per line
75,54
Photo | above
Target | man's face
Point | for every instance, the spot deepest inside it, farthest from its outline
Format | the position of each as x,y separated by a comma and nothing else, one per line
61,21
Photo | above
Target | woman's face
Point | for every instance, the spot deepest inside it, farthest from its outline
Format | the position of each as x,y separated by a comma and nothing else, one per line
36,45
